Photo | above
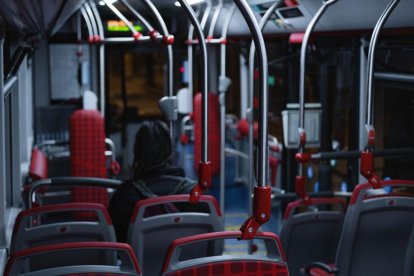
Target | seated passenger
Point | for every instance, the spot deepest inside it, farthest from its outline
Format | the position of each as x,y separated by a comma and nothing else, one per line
152,175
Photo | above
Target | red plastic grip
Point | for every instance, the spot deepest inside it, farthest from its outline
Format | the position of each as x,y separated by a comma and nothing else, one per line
184,139
296,38
371,138
300,188
205,175
367,169
291,3
262,203
168,39
303,157
256,102
261,212
256,74
302,137
136,36
153,34
115,167
204,182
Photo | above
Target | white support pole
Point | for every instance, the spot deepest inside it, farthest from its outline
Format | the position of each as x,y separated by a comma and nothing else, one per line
2,155
362,101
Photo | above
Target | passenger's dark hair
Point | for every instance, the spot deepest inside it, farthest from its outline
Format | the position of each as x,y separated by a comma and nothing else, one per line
152,149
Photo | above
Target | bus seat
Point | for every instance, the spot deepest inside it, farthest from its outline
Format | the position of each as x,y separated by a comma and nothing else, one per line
38,165
409,256
87,154
376,231
53,224
150,233
21,262
213,131
271,262
311,235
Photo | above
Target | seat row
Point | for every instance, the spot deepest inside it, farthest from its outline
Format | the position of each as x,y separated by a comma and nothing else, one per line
377,235
52,238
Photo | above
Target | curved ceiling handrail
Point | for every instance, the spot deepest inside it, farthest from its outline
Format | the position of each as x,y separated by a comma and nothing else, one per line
138,15
168,40
205,165
101,56
98,19
88,24
370,60
206,14
262,24
214,19
309,29
93,21
367,155
249,116
262,193
299,181
190,55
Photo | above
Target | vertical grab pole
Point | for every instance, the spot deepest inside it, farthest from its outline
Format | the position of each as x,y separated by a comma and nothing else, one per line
367,157
168,40
79,34
249,116
262,192
205,165
224,83
3,241
190,60
299,181
101,57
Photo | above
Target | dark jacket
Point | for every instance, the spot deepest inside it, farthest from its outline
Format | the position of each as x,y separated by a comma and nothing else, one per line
162,181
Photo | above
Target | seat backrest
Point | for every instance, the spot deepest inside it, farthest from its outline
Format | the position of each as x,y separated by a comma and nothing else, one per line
409,256
311,235
24,262
376,231
270,260
156,222
63,185
55,224
87,154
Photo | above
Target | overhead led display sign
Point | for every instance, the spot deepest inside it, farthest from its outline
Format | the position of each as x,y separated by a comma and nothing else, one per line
120,26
